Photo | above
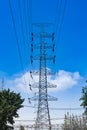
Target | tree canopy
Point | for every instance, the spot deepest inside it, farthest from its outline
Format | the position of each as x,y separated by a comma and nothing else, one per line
10,103
84,98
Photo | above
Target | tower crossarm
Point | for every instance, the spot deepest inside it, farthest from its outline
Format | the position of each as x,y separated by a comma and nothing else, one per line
43,34
37,46
49,85
49,98
35,72
42,57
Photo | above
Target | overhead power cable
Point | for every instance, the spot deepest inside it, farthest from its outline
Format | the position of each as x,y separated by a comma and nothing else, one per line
19,7
17,41
29,6
76,108
59,19
35,120
58,15
30,14
26,17
62,18
16,36
59,118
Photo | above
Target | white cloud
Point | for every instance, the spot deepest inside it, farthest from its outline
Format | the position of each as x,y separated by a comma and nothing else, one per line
65,80
62,79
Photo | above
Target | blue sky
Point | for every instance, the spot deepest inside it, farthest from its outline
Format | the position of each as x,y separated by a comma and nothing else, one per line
71,42
71,54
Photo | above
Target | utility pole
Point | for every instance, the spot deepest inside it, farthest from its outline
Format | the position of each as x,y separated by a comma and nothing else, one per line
43,114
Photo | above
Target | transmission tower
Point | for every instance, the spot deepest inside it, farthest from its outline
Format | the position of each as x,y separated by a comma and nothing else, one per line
43,114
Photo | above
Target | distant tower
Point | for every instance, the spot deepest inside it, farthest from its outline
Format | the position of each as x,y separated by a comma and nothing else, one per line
43,114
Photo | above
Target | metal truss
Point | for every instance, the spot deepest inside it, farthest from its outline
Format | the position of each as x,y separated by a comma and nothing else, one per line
43,114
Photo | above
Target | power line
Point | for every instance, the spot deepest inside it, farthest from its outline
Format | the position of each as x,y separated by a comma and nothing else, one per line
60,19
35,120
29,17
22,30
58,14
59,118
17,41
30,12
76,108
16,36
25,16
27,26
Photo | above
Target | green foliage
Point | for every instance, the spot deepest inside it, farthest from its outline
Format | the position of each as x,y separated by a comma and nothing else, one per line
10,102
84,98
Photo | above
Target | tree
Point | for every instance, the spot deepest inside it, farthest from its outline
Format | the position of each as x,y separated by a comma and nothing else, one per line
74,122
84,101
10,103
84,98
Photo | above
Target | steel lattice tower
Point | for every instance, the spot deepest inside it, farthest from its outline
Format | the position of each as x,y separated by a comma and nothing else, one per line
43,114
